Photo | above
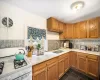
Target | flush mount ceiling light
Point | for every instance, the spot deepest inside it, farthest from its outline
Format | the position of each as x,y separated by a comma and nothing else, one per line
77,5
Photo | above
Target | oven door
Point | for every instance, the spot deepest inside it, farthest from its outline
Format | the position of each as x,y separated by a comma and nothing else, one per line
29,76
26,76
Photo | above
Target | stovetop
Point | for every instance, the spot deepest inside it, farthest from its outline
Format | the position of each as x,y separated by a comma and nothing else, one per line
19,63
10,65
1,67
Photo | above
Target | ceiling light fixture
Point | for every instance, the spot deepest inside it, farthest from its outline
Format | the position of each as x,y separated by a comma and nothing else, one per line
77,5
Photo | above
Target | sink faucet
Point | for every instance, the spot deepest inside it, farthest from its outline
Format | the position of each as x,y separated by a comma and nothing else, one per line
57,45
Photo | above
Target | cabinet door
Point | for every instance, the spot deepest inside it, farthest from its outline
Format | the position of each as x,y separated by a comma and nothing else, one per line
60,26
82,29
69,31
82,63
73,59
52,71
66,63
63,34
40,75
93,28
55,25
93,67
76,30
52,24
61,68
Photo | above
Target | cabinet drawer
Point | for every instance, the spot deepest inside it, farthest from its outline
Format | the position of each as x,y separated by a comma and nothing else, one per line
66,54
91,56
52,60
39,66
82,54
62,56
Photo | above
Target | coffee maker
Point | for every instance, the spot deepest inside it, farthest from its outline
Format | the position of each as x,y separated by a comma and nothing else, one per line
68,44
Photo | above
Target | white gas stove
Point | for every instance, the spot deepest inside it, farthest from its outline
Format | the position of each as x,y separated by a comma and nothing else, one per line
11,69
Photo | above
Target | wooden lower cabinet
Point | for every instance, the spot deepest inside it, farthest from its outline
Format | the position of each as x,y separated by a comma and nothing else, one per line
93,65
39,71
73,59
40,75
66,63
82,62
61,68
55,68
52,72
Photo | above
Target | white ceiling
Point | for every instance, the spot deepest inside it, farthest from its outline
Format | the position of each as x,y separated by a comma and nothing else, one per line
59,9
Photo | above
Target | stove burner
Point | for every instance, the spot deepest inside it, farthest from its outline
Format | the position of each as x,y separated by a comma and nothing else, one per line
1,67
19,63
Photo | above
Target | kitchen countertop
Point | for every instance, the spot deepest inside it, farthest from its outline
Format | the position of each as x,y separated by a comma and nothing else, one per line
48,55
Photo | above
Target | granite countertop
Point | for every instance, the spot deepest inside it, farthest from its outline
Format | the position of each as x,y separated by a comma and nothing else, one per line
48,55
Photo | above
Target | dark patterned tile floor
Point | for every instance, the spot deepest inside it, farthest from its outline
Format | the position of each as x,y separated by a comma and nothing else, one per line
73,75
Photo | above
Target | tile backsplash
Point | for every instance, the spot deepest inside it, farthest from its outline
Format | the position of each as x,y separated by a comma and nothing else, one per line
54,44
86,42
11,43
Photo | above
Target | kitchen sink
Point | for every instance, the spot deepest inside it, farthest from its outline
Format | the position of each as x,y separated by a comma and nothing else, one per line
58,51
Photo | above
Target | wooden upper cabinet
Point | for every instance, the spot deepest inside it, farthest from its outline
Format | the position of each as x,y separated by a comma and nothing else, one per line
82,29
54,25
69,31
75,30
85,29
60,26
63,34
94,28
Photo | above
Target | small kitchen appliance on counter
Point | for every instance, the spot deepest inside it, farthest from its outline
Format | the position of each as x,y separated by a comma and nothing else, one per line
68,44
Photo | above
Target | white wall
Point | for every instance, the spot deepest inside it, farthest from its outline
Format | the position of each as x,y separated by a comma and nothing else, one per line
21,20
52,36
